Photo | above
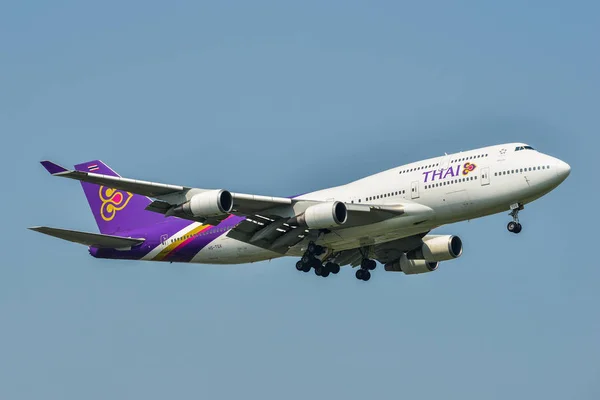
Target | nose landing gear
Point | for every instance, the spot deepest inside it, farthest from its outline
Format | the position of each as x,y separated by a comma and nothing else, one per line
515,226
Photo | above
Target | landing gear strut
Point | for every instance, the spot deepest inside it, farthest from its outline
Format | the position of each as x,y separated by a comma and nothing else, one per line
514,226
366,265
309,260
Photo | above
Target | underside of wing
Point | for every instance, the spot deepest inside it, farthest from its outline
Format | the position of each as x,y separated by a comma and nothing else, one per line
384,252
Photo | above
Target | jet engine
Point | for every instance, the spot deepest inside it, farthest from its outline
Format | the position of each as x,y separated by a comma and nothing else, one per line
212,203
411,267
322,216
437,248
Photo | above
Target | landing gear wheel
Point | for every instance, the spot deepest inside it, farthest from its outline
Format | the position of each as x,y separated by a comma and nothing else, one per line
366,275
368,264
363,274
359,274
300,266
307,258
305,267
319,270
325,273
315,249
519,228
333,267
316,263
514,227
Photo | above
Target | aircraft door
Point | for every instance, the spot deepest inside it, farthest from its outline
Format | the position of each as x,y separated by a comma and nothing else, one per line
485,176
414,190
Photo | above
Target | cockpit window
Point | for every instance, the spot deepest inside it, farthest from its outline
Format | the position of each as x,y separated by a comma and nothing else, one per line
524,148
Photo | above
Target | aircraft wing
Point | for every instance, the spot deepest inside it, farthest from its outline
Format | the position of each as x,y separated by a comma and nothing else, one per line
145,188
89,239
270,221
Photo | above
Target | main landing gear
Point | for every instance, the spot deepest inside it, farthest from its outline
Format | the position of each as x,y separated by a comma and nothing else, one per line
514,226
366,265
309,261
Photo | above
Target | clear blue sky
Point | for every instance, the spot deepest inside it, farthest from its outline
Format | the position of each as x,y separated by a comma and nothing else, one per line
280,98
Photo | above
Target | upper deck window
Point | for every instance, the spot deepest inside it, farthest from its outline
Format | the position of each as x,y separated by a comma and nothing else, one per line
524,148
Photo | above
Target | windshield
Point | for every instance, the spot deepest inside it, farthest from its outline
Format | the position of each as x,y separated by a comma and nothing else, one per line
524,148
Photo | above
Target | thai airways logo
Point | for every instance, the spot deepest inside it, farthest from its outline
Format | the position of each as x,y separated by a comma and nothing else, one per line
113,200
451,172
468,167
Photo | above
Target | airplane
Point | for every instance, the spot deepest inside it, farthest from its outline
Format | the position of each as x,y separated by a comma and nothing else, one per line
386,217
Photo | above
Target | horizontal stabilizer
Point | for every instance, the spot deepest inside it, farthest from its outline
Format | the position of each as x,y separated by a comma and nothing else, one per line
89,239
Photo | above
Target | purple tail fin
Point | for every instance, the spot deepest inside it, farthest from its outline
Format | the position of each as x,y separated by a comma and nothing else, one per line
115,210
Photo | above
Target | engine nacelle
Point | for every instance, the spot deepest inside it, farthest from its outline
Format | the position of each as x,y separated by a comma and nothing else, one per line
411,267
212,203
322,216
437,248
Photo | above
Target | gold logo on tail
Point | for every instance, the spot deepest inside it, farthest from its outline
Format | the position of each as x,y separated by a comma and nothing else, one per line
113,200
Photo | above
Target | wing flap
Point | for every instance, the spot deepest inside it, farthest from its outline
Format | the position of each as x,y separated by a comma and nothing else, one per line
89,239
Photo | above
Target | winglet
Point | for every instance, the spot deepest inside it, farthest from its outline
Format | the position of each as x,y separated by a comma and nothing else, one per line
53,168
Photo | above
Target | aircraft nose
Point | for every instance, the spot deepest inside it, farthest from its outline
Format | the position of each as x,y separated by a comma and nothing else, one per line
562,170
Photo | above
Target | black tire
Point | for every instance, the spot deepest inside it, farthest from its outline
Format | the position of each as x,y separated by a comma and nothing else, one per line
325,273
359,274
311,248
316,263
366,276
300,266
372,264
319,270
334,268
319,250
307,258
512,226
519,228
306,268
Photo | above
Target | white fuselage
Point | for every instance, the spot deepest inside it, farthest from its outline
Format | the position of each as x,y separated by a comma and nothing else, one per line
456,187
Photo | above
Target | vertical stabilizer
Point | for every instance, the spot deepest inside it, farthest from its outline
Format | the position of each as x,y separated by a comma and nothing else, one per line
115,210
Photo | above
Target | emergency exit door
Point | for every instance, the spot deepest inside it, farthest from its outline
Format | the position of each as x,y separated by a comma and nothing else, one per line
485,176
414,190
